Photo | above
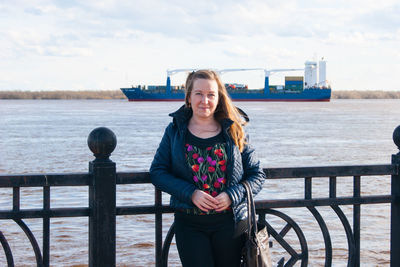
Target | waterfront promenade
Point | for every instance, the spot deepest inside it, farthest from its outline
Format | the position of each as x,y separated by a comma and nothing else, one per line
289,244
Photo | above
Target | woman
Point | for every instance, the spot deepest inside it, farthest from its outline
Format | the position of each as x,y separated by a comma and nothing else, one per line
202,158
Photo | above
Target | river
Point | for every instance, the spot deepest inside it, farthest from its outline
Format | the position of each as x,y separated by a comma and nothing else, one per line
50,136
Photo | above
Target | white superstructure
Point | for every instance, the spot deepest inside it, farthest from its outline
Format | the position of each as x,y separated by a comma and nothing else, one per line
322,73
310,74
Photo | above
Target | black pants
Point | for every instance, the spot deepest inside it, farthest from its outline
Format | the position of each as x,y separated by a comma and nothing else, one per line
207,240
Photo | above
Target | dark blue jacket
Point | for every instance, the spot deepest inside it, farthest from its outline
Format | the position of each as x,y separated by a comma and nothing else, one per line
170,172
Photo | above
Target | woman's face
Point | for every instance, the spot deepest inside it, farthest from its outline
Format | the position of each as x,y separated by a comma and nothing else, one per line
204,98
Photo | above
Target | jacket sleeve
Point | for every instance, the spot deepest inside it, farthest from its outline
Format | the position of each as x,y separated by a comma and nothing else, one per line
252,172
161,174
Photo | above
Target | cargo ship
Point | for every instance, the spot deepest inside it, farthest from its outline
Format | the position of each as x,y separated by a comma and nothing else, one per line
296,88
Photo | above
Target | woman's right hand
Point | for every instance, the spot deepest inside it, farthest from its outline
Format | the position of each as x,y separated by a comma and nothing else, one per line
204,201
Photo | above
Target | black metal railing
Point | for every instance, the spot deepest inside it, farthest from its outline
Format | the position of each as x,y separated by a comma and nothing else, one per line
102,210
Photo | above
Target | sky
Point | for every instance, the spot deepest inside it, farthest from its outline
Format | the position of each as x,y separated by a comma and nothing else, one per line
106,45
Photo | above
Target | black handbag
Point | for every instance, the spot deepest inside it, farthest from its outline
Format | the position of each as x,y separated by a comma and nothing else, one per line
255,252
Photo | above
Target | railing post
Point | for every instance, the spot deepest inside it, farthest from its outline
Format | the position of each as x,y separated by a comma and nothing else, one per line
158,217
395,207
102,199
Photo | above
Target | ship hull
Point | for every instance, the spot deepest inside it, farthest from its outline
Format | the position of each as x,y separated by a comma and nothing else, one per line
137,94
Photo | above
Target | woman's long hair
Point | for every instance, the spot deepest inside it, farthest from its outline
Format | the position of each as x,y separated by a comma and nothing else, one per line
225,108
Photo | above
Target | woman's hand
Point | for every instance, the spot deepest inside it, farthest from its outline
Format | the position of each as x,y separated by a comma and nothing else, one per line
204,201
224,201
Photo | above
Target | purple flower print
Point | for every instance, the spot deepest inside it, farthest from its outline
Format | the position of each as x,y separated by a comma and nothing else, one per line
212,163
190,148
209,159
195,178
200,160
204,177
221,180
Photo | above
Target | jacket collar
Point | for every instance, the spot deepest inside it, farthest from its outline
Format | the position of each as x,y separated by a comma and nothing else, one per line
181,117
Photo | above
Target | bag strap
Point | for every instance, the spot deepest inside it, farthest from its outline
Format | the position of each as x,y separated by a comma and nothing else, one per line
251,218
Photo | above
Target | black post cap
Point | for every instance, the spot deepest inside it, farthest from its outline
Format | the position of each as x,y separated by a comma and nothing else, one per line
396,136
102,142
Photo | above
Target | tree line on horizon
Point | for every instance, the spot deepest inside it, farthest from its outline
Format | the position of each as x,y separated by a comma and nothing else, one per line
117,94
66,94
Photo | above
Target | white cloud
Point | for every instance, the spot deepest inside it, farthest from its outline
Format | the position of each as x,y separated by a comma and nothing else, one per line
119,42
31,42
236,50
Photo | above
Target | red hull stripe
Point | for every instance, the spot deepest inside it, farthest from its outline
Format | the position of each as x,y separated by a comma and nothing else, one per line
239,100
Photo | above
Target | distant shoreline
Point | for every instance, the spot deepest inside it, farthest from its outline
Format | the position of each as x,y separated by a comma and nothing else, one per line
100,94
117,94
365,94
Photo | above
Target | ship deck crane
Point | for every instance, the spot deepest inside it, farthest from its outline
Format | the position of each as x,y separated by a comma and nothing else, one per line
267,72
270,72
173,72
232,70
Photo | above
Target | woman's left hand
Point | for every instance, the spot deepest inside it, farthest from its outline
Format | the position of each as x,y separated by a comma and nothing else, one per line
224,201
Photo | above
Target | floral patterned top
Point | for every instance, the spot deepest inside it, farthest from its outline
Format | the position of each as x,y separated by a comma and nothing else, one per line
207,158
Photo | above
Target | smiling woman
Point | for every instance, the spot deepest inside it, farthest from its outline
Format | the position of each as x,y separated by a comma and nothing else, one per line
205,81
204,98
201,161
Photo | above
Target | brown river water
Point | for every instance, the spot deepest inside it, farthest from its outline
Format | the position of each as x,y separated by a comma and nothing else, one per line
50,136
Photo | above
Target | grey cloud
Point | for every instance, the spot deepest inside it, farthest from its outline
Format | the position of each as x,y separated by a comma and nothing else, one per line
200,21
194,21
67,4
65,40
386,20
34,11
64,45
